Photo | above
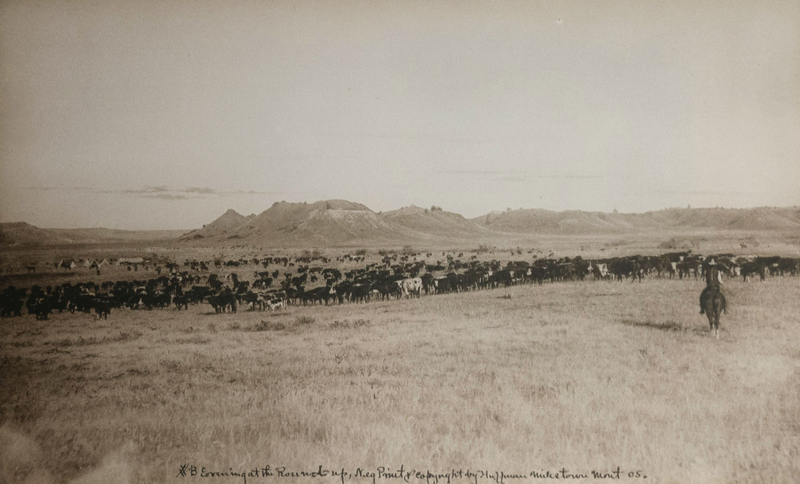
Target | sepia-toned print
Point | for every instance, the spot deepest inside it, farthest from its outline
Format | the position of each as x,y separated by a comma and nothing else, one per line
399,242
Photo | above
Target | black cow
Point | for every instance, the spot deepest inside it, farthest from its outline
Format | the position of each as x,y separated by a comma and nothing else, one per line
42,309
102,308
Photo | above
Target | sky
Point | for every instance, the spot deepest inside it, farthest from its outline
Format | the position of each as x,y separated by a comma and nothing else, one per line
162,114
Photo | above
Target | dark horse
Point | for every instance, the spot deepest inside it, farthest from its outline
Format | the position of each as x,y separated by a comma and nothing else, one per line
713,306
712,301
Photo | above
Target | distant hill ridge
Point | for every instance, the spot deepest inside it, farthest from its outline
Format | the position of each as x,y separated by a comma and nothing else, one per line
435,222
341,222
22,234
326,222
573,222
25,234
226,222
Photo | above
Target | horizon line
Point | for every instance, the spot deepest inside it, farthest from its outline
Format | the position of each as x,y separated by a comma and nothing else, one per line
614,212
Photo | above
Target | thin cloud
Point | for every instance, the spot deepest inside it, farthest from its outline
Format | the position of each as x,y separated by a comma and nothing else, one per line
252,192
204,191
461,140
168,196
696,192
81,189
496,175
161,192
144,190
469,172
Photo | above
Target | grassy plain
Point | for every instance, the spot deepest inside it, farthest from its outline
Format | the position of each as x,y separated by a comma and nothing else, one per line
583,376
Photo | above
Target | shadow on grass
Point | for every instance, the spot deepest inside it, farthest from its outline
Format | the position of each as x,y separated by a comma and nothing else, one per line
270,314
665,326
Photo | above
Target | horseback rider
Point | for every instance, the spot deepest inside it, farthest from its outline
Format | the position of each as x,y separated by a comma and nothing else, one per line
713,283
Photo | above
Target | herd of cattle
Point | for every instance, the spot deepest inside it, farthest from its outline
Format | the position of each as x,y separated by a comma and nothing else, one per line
273,286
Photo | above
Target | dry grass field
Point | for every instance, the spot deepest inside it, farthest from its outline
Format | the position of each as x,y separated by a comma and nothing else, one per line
579,376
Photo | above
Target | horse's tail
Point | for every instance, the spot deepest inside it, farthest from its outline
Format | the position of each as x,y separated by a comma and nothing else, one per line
712,299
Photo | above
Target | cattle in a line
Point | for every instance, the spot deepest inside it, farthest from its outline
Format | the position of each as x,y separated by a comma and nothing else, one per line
411,287
102,309
42,309
688,268
676,256
358,292
223,301
262,283
181,302
385,288
441,285
752,268
672,269
600,271
276,304
12,301
624,268
396,277
787,266
427,283
10,306
318,295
